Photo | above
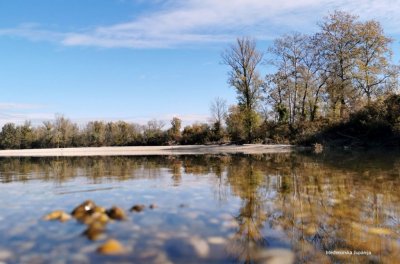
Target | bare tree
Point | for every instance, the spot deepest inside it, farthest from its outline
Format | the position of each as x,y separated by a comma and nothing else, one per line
243,59
218,109
288,55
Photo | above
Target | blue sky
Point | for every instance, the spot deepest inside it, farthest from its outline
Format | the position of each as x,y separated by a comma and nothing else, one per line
137,60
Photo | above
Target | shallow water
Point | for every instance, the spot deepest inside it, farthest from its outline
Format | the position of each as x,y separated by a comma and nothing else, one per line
294,207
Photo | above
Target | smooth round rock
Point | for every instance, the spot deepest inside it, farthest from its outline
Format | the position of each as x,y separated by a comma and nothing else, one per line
83,210
116,213
111,247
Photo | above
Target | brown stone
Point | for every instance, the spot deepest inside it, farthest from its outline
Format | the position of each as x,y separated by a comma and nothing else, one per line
57,215
116,213
138,207
111,247
99,209
95,231
83,210
96,217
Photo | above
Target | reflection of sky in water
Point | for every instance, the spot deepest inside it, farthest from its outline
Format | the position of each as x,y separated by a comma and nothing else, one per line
211,209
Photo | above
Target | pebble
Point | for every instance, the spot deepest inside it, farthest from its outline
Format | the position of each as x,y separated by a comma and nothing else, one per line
138,207
57,215
96,217
116,213
111,247
85,209
95,231
99,209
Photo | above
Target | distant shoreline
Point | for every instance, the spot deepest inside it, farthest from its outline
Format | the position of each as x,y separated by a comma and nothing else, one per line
148,150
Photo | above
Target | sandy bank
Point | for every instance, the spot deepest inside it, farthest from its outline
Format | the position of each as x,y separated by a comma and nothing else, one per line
148,150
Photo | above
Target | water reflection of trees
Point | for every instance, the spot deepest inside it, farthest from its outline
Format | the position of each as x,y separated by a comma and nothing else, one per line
246,182
320,202
96,169
333,202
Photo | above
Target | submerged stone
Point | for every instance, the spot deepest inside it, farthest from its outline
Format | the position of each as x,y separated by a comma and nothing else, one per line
57,215
96,217
153,206
138,208
111,247
95,231
116,213
83,210
99,209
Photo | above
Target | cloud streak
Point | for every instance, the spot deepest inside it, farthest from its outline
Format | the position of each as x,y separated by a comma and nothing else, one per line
19,106
18,113
208,21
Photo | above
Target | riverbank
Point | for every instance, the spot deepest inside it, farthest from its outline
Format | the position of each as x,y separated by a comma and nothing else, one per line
148,150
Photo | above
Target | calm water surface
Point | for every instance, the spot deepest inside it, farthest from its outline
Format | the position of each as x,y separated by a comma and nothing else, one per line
210,208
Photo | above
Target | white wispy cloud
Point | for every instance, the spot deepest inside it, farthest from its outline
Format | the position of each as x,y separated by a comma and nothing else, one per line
33,32
19,106
18,113
20,118
179,22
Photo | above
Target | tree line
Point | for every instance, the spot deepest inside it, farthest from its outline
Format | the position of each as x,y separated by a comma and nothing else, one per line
62,133
342,74
314,81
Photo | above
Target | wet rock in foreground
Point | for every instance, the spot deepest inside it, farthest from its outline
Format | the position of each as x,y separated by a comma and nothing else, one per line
116,213
57,215
138,208
83,210
95,231
111,247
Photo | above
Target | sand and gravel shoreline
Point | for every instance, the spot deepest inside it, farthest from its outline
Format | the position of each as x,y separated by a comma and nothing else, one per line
148,150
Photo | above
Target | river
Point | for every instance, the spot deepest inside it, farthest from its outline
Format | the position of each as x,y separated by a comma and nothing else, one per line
333,207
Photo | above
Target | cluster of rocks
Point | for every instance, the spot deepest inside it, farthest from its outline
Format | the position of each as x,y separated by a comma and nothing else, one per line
96,219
